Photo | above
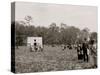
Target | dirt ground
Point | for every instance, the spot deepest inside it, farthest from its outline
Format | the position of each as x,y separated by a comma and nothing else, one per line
51,59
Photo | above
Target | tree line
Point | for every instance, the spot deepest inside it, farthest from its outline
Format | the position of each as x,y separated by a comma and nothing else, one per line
52,34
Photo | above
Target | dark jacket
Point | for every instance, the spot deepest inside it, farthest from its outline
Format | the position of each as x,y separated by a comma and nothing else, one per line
85,45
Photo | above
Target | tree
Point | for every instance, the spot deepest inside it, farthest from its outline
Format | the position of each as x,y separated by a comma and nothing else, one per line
85,34
93,36
28,19
68,35
53,33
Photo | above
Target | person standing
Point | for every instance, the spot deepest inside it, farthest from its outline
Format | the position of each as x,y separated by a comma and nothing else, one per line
79,52
93,52
85,48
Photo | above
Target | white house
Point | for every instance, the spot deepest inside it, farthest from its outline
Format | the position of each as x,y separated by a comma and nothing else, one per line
30,41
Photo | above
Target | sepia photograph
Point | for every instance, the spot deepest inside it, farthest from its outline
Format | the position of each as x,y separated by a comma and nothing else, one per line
53,37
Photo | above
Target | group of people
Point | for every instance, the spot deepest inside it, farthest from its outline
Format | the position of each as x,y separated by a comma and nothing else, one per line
85,49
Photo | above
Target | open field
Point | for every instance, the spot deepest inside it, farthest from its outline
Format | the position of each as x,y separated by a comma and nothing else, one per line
51,59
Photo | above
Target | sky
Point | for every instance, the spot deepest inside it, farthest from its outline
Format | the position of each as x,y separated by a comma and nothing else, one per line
44,14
